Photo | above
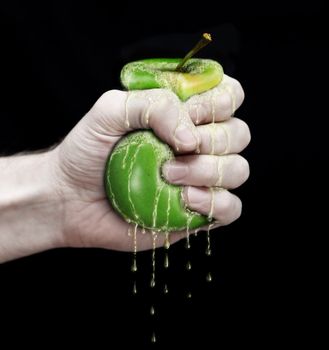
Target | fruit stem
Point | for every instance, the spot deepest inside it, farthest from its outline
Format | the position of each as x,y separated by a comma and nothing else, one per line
205,40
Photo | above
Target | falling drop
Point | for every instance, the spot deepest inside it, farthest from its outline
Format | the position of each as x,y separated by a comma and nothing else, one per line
166,261
188,266
209,277
135,288
134,264
165,289
153,339
166,247
187,244
154,238
152,311
208,249
167,242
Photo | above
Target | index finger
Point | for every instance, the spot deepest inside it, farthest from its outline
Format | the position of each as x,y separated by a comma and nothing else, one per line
217,104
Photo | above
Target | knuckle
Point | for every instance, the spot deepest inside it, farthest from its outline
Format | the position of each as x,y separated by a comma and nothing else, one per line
225,206
238,206
225,103
240,92
238,89
242,132
245,133
231,209
110,96
109,101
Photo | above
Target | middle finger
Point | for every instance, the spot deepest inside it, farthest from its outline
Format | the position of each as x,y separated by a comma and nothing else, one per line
229,171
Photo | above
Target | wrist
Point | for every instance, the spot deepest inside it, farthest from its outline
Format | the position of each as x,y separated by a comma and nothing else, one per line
31,208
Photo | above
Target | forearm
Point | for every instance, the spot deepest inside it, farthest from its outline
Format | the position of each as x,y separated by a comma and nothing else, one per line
30,208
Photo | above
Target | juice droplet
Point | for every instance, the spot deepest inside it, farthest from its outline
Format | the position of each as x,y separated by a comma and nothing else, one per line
209,277
154,238
135,288
155,208
188,266
188,244
130,181
124,161
212,134
153,339
165,289
208,249
167,242
166,261
227,88
147,114
152,311
127,123
166,247
134,264
197,118
212,203
188,223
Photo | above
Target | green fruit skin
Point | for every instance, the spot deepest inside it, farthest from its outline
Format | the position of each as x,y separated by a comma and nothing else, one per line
199,75
133,181
137,190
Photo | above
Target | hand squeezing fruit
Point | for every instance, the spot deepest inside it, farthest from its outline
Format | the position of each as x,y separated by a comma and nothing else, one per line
133,180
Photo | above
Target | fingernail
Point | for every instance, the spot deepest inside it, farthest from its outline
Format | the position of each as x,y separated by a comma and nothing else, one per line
196,197
185,138
175,171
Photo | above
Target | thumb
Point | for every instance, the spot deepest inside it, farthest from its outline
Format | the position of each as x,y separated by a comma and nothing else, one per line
159,109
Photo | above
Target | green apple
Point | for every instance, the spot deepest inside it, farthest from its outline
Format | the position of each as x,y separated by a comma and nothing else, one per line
133,180
198,75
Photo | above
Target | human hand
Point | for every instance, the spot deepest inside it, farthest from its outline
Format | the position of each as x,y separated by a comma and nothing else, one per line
79,161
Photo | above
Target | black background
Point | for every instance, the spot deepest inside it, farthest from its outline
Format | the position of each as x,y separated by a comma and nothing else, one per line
59,58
